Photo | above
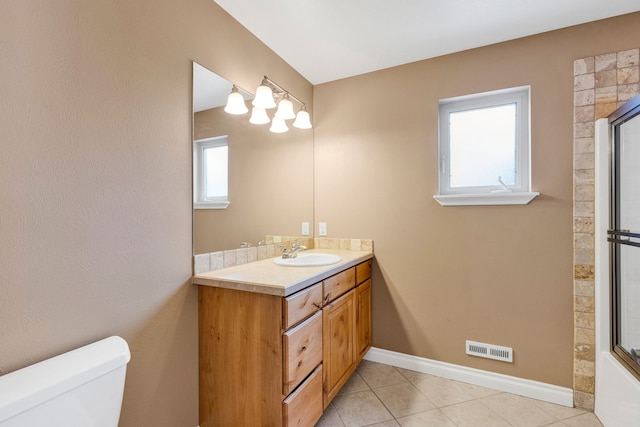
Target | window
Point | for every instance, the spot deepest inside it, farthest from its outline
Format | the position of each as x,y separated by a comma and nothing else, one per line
484,148
211,173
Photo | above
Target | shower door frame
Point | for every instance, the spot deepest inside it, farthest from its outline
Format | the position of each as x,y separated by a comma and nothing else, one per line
617,237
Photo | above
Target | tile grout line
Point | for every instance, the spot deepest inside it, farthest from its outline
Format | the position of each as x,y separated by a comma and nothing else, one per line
374,378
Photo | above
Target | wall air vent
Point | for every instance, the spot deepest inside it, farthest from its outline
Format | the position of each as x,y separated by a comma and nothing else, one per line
490,351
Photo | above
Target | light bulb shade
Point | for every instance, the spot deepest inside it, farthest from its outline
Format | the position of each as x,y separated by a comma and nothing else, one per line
235,103
278,125
285,109
303,120
264,98
259,116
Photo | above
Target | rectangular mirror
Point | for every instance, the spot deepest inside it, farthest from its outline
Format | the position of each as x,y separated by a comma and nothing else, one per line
270,176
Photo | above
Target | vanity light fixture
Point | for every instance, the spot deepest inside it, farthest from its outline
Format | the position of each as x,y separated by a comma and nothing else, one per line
303,121
259,116
235,103
266,96
278,125
285,108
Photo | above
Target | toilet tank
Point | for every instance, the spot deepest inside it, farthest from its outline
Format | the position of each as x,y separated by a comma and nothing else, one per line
80,388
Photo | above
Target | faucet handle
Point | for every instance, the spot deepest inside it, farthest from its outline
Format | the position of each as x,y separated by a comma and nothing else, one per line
286,253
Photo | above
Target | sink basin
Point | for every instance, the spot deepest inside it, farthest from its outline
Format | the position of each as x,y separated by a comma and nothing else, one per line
308,260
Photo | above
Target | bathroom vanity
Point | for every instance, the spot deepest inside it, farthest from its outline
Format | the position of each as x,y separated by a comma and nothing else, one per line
278,343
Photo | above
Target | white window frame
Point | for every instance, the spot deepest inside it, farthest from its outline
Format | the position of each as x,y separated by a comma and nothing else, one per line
199,170
520,193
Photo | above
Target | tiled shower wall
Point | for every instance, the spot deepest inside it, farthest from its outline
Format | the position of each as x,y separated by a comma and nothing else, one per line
602,83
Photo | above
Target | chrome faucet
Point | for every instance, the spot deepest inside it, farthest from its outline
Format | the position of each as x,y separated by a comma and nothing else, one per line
293,252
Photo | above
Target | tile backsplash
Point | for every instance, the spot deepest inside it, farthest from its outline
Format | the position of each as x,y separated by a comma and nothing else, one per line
343,244
270,249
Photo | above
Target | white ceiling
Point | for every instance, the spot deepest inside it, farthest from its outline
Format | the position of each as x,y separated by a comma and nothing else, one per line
326,40
210,90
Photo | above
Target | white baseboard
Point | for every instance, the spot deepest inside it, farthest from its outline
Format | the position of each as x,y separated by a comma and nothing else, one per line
520,386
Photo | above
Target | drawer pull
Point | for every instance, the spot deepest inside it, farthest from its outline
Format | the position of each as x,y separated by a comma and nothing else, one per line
318,306
303,349
326,298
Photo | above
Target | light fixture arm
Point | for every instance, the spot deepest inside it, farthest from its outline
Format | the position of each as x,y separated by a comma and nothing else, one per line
280,90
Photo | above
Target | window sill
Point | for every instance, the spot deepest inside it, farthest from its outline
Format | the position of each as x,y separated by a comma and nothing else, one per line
211,205
485,199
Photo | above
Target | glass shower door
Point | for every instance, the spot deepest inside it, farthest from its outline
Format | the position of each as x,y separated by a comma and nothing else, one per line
624,236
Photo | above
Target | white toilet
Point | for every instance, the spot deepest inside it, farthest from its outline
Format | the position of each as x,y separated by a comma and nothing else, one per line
81,388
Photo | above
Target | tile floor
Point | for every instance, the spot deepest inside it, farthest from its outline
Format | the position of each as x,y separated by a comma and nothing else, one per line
384,396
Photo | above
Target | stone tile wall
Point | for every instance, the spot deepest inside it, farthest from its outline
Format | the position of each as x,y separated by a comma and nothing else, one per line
602,83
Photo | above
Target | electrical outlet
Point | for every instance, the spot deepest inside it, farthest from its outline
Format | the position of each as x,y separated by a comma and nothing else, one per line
305,228
322,229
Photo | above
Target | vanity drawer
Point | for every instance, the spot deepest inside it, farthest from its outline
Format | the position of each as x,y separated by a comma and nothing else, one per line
301,305
363,271
302,350
338,285
303,407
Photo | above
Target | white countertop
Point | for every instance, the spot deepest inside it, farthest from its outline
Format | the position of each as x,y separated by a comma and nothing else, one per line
268,278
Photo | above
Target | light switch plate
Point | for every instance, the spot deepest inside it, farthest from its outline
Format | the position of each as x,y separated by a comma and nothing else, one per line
305,228
322,228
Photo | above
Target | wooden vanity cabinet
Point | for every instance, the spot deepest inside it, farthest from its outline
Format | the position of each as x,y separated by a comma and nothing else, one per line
268,360
346,325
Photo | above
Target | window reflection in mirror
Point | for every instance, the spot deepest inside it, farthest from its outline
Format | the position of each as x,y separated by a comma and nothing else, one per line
211,173
270,176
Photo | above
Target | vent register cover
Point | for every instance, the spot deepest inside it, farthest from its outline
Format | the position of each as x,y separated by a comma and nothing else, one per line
490,351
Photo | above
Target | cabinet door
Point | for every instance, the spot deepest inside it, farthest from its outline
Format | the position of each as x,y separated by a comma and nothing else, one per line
339,350
363,319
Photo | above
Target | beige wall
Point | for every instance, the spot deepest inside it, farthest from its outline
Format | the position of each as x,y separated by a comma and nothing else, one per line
500,275
95,183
